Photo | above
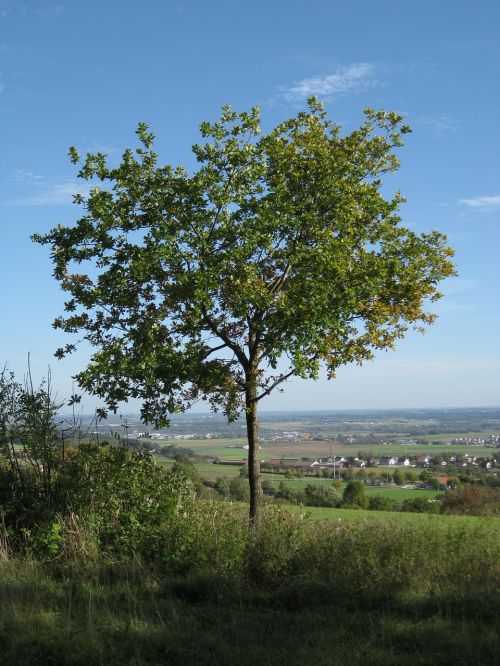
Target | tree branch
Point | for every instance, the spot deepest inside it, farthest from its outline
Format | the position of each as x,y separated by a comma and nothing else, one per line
214,349
240,355
280,380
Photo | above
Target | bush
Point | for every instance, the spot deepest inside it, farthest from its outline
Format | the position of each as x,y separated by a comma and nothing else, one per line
315,495
267,487
119,498
291,495
472,500
238,489
204,536
354,496
380,503
420,505
222,486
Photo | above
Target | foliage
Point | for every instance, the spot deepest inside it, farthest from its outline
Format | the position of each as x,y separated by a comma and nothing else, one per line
381,503
277,256
32,448
420,505
267,487
238,489
185,469
398,477
122,497
222,486
354,495
320,496
434,482
472,500
125,495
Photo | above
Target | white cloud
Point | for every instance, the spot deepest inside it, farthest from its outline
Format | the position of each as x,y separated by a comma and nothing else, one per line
351,79
485,204
96,147
38,8
441,125
27,177
48,11
452,306
55,194
458,285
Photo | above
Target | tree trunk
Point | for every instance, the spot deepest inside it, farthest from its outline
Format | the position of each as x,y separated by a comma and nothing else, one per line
253,447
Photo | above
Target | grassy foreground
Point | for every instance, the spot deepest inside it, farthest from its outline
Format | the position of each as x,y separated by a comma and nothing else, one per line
125,614
302,591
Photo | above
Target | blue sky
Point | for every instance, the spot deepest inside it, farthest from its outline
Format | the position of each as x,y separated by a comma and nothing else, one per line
85,73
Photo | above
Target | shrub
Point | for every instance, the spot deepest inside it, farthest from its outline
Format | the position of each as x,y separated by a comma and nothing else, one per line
222,486
472,500
204,536
238,489
315,495
354,496
125,495
420,505
267,487
380,503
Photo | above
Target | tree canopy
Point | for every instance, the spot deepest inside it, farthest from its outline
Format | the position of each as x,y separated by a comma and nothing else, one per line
277,256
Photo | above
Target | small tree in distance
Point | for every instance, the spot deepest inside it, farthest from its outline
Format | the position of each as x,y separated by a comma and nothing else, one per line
277,257
354,496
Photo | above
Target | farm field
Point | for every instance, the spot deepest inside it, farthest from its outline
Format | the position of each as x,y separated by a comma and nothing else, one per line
232,449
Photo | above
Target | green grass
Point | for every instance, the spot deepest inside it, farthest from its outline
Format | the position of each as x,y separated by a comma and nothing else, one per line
207,470
445,522
212,472
124,615
394,492
360,588
400,494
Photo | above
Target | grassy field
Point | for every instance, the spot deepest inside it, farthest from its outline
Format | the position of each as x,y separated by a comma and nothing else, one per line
357,589
213,472
129,615
446,522
394,492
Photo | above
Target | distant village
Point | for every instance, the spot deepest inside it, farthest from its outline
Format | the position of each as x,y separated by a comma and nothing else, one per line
417,461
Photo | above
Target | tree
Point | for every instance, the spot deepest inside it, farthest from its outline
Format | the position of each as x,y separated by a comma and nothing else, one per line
32,441
425,476
222,486
354,496
277,257
434,482
238,489
410,476
381,503
398,477
361,475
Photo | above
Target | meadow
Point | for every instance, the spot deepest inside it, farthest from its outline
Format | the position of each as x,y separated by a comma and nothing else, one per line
120,557
212,472
490,524
378,589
